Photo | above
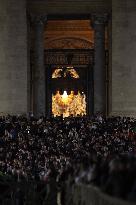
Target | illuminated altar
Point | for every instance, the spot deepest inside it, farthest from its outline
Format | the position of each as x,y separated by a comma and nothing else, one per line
68,105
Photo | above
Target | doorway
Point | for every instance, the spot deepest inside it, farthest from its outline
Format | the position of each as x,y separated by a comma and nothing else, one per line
67,44
69,87
68,91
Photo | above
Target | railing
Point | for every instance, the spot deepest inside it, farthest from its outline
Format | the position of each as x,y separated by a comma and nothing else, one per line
80,194
39,193
25,192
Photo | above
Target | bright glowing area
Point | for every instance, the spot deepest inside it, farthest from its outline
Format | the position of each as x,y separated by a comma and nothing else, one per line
65,95
68,105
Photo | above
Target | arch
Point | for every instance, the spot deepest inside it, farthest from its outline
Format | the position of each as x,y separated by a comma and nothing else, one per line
69,43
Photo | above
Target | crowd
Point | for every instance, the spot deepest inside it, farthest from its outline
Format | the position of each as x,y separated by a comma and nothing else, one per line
97,150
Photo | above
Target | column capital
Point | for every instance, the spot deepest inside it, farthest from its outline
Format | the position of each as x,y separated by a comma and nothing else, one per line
38,19
99,19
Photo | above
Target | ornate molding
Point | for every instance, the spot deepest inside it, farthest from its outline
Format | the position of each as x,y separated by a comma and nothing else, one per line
69,57
99,19
69,43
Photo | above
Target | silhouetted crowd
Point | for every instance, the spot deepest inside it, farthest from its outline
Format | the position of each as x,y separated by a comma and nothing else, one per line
98,150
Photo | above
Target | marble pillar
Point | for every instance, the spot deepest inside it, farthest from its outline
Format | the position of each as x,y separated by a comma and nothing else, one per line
99,77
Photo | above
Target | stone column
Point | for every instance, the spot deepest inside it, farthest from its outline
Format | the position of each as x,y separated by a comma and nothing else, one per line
39,78
90,89
99,21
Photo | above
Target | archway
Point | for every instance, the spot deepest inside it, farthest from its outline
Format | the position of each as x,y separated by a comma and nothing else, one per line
70,47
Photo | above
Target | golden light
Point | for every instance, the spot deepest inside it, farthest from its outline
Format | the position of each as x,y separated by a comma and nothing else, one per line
65,95
67,105
58,73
